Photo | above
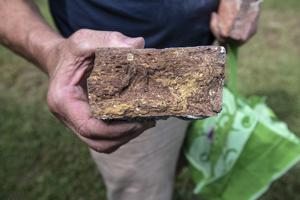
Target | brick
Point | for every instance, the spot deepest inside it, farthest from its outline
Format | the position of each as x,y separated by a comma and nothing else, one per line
157,83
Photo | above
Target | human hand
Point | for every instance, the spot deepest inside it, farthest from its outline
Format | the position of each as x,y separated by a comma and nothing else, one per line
68,64
236,20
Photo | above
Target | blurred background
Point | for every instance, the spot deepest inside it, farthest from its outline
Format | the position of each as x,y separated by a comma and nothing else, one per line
40,159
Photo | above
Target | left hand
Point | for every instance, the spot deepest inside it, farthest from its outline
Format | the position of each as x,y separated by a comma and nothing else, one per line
69,63
236,20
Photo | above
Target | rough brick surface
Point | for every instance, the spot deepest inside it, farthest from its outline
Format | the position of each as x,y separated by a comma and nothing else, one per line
137,83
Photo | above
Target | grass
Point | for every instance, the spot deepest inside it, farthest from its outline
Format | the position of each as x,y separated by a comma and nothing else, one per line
40,159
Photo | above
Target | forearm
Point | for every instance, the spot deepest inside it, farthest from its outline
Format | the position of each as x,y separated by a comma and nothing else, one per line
24,31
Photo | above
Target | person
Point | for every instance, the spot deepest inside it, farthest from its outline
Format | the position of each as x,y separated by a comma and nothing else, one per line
133,165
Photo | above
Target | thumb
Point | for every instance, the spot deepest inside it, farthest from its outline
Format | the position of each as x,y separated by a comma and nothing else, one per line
116,39
138,42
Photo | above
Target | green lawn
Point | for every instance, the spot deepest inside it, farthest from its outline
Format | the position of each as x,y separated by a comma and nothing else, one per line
40,159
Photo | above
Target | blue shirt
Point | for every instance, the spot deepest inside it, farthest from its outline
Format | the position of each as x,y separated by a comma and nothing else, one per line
163,23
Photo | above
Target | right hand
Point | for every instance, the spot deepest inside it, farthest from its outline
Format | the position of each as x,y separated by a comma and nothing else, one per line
68,63
236,21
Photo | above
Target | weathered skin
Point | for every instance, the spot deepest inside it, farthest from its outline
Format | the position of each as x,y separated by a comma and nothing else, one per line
136,83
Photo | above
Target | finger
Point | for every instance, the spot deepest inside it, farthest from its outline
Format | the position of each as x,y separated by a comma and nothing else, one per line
116,129
138,43
253,28
78,114
116,39
85,41
102,145
109,146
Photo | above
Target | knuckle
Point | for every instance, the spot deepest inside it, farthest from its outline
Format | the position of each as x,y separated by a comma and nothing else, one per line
116,35
81,33
116,39
81,129
52,107
83,46
80,39
83,132
141,43
53,101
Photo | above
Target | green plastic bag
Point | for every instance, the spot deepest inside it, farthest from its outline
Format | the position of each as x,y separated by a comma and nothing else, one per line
237,154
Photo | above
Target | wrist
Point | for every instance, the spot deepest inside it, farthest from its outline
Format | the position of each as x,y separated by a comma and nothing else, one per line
42,46
51,54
